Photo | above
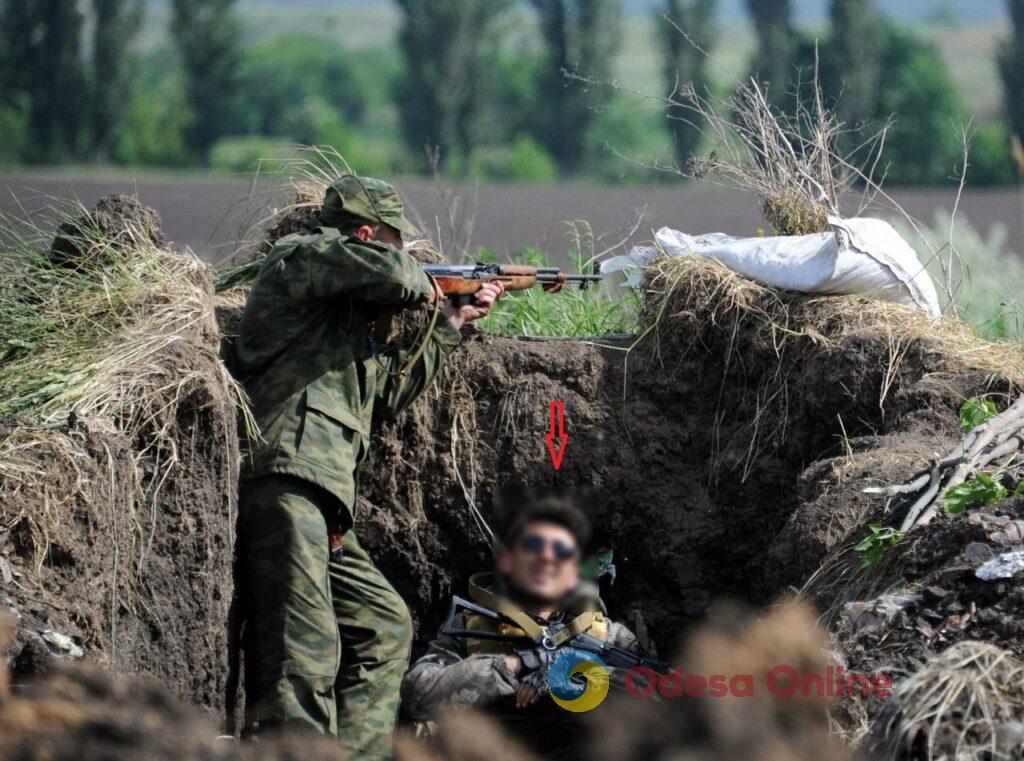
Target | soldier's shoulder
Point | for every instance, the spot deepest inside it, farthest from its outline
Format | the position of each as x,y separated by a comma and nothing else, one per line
317,236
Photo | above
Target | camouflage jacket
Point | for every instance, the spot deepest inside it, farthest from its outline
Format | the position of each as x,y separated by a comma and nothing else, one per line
304,353
447,675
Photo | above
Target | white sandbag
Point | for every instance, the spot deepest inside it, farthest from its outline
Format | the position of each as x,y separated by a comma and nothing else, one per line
864,257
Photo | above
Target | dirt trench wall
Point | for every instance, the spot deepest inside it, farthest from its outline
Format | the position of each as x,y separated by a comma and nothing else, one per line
121,550
722,464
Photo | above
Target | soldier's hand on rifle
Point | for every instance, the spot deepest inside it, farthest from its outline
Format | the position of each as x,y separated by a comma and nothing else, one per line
479,307
526,695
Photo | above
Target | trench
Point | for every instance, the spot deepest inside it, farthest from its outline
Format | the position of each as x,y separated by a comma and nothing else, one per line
688,473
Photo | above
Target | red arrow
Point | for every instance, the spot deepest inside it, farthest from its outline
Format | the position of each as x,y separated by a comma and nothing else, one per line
556,415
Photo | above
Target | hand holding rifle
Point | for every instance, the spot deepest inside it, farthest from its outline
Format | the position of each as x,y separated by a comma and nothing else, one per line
472,289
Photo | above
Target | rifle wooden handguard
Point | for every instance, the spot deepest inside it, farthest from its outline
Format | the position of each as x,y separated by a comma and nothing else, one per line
457,286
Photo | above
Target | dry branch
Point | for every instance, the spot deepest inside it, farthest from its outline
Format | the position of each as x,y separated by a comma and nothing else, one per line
997,442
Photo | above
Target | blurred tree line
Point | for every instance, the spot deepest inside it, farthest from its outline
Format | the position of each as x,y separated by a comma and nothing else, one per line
459,92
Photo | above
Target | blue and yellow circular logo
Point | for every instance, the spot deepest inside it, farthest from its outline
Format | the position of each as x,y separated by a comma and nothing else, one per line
578,681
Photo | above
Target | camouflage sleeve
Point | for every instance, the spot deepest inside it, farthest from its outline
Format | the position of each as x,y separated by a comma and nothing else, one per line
400,392
445,677
366,271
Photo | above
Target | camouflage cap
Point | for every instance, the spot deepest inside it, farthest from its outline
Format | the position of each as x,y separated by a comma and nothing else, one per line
353,199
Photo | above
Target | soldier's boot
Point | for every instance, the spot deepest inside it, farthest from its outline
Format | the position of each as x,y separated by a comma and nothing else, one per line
376,633
293,646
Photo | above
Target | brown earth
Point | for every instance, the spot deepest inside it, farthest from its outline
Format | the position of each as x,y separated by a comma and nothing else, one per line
721,466
121,546
82,714
725,451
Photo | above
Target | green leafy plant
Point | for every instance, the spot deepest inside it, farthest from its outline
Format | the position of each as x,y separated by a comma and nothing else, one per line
975,412
874,546
979,489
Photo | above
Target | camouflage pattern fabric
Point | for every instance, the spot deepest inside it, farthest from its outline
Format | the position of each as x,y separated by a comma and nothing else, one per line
304,352
447,675
355,199
327,642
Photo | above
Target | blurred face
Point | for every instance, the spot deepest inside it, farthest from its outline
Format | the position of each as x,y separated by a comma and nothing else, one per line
543,563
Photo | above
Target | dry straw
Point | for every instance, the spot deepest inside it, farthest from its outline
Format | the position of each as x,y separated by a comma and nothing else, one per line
963,703
109,346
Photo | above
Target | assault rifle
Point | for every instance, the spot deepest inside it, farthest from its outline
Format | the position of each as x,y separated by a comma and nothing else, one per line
460,281
540,653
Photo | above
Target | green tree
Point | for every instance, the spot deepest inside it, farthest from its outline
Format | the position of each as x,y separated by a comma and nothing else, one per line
687,32
580,37
776,44
299,87
1011,69
442,42
117,24
855,59
923,146
42,40
206,35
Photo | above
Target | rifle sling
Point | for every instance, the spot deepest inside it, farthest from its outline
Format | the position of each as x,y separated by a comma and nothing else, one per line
480,594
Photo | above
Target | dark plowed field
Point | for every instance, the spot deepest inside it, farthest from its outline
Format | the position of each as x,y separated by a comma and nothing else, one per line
210,214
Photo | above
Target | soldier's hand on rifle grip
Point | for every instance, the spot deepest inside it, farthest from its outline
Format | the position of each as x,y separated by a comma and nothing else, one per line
526,695
480,306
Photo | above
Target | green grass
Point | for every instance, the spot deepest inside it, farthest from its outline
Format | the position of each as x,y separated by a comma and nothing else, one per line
599,310
986,274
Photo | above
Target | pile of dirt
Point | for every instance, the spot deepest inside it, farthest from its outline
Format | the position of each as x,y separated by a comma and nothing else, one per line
117,524
118,219
82,714
931,596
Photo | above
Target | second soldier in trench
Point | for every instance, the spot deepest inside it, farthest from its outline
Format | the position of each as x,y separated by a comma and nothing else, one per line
328,637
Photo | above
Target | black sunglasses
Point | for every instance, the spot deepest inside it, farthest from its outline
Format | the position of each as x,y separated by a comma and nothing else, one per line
535,544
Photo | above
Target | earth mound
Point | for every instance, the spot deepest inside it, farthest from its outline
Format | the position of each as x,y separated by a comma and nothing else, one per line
118,220
118,458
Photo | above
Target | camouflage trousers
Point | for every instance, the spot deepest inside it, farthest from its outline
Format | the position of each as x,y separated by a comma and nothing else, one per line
326,642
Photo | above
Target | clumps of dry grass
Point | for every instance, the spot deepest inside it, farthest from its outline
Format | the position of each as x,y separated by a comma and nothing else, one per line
767,339
788,213
966,702
791,160
702,289
108,340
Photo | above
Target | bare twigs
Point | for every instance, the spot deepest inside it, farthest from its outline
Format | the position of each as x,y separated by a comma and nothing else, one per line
997,443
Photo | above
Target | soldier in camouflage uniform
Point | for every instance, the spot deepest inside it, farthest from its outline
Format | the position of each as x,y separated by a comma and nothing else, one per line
538,573
328,638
